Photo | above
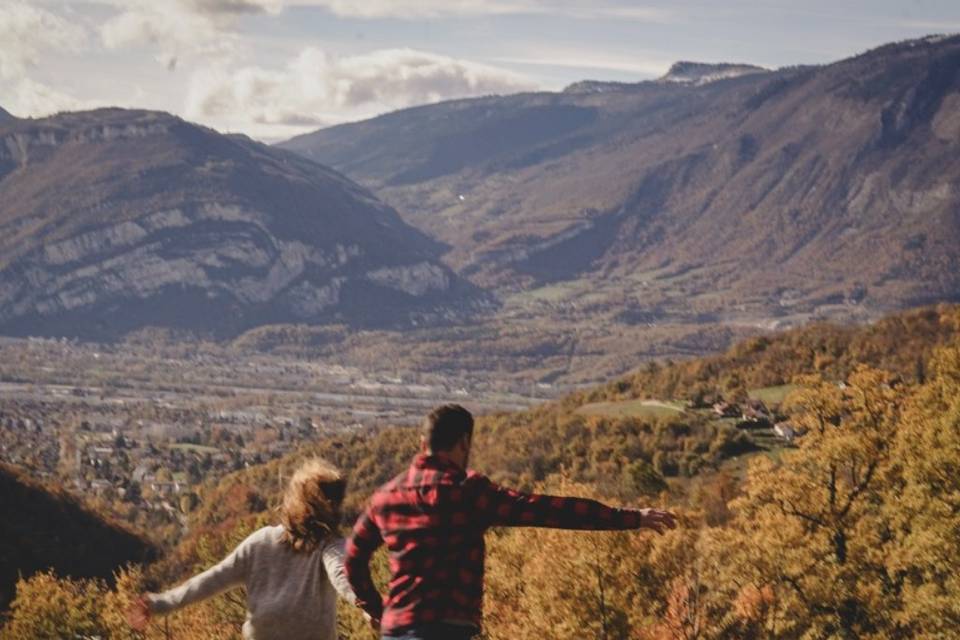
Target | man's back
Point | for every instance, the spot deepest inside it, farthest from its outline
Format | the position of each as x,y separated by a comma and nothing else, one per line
426,518
432,518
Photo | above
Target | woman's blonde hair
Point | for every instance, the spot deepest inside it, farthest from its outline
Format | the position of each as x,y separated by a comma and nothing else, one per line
311,505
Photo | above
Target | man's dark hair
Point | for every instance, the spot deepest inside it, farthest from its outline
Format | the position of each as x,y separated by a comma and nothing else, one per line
446,425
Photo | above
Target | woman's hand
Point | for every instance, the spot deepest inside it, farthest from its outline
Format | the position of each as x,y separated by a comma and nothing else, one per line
138,615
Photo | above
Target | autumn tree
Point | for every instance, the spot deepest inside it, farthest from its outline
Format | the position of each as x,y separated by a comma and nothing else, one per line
926,556
811,529
549,583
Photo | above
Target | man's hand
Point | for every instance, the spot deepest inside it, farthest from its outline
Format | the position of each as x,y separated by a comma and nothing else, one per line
370,620
138,615
657,520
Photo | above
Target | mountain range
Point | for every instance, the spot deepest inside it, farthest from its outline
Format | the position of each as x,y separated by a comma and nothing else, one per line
553,235
716,191
113,220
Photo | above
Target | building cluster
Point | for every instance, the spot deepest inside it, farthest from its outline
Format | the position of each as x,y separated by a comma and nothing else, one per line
111,452
753,413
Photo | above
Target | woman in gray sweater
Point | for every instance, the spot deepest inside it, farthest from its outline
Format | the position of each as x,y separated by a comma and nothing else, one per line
292,572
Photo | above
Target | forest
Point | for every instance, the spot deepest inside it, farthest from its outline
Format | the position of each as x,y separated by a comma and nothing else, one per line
849,530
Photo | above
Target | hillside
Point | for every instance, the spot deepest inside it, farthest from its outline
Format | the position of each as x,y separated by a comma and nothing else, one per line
901,344
808,538
734,195
657,417
42,530
112,220
5,115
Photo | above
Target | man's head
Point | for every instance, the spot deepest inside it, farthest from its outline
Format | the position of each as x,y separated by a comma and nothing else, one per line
448,431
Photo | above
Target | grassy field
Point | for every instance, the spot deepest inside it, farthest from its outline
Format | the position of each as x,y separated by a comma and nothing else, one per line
195,448
772,395
554,293
632,409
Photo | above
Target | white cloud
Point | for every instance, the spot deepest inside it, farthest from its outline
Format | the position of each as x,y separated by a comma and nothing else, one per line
409,9
29,98
577,59
28,31
636,14
208,27
317,88
232,7
415,9
418,9
176,28
930,26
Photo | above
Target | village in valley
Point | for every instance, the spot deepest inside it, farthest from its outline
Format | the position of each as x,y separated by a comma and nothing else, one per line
139,432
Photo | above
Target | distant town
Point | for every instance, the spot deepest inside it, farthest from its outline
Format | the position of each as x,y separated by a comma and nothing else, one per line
139,428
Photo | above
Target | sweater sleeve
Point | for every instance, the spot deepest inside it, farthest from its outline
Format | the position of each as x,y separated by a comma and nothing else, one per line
334,556
229,572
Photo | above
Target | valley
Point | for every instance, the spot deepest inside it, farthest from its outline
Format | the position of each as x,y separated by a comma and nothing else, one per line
142,428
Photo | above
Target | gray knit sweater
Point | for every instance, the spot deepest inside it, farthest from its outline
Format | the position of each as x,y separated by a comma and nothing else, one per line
290,594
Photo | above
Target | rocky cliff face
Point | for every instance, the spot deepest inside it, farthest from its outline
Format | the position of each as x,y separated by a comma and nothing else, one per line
114,220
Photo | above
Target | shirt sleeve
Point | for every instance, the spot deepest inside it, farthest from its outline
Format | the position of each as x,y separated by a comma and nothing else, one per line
334,555
228,573
361,544
502,507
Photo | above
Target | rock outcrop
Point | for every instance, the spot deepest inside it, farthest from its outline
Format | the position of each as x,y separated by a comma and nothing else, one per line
698,73
114,220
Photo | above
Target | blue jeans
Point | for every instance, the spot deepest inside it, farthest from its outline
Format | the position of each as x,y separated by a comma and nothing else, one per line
439,631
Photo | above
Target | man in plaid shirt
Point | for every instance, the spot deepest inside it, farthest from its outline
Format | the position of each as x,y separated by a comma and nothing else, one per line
433,516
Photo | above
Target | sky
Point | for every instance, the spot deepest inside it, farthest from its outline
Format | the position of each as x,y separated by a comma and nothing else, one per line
277,68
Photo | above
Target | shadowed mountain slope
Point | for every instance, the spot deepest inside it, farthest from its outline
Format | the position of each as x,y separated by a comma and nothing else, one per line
733,188
41,530
112,220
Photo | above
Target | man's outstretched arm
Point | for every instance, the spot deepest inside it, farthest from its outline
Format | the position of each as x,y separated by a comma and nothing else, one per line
509,508
361,544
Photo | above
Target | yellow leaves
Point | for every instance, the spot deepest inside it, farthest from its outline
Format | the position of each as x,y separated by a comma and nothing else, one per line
813,522
48,608
853,534
550,583
753,603
926,517
684,616
561,584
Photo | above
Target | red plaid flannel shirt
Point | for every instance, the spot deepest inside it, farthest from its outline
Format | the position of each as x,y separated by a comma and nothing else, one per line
432,518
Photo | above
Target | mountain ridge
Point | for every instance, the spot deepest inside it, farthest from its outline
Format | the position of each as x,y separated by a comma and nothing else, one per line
118,219
771,188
